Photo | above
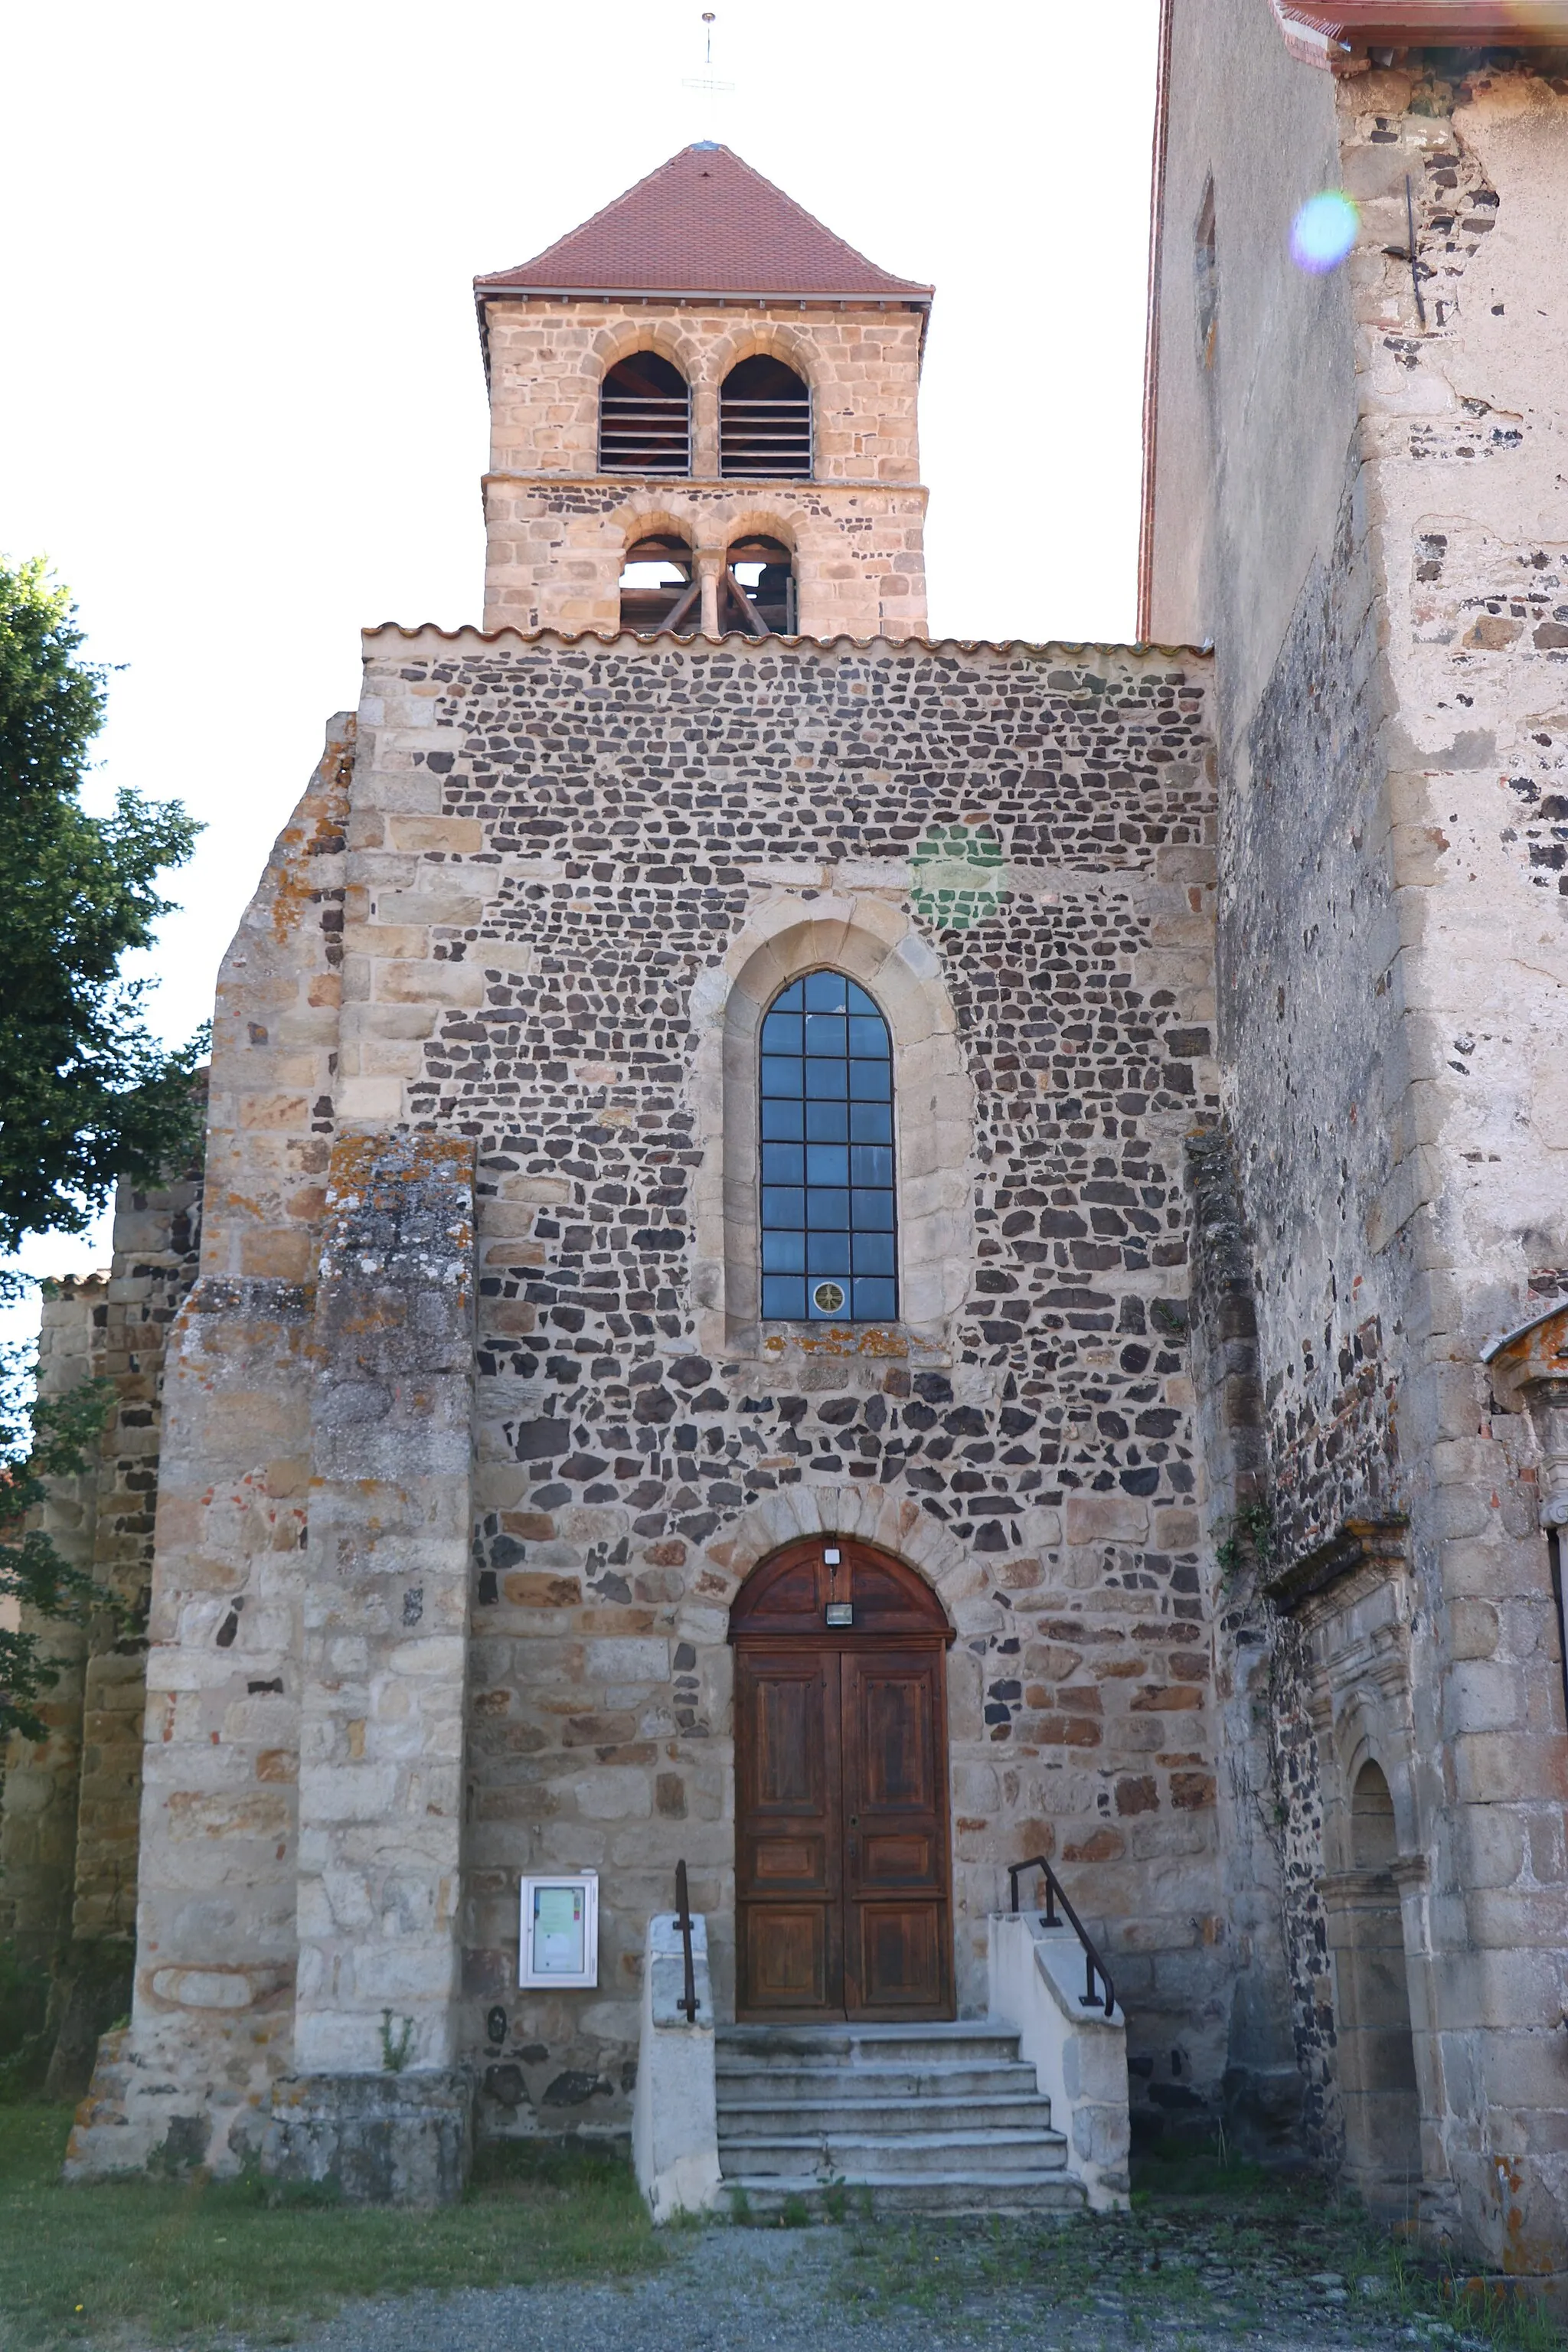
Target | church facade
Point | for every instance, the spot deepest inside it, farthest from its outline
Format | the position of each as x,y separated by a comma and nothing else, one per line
796,1271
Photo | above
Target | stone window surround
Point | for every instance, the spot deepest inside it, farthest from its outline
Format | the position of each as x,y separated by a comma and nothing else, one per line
875,944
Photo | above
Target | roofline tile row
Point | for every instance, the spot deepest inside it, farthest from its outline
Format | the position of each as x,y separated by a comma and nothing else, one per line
1056,648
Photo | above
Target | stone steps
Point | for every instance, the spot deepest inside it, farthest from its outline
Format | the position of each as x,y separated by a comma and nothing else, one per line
759,2118
920,2119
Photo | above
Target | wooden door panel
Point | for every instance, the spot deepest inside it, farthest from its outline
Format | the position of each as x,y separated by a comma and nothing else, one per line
896,1957
788,1858
897,1937
896,1734
905,1858
785,1958
796,1863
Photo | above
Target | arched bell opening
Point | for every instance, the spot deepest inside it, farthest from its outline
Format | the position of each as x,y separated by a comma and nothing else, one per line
757,589
659,587
843,1860
645,417
764,423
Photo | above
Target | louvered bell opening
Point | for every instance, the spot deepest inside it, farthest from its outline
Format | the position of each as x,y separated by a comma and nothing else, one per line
764,423
644,418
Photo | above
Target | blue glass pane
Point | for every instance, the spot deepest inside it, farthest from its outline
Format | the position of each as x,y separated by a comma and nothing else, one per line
826,1078
873,1212
873,1253
790,999
827,1303
825,1033
873,1164
827,1254
783,1297
824,992
784,1122
782,1033
827,1122
874,1301
859,1000
785,1254
827,1163
785,1163
871,1081
783,1206
780,1077
869,1123
867,1034
822,1208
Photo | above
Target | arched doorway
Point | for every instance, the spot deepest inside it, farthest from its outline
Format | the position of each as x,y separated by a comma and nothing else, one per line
843,1868
1378,2054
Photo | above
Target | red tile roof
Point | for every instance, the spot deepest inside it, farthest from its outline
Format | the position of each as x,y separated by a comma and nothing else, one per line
704,223
1340,24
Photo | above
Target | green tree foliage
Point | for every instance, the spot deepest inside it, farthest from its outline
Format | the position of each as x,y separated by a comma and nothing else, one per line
41,1438
87,1094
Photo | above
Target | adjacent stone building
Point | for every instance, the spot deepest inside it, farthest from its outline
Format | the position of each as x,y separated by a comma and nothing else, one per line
714,1082
1355,490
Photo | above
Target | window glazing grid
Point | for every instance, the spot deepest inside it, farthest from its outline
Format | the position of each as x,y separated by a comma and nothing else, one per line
828,1223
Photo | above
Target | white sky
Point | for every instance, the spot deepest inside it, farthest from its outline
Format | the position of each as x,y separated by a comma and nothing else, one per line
242,409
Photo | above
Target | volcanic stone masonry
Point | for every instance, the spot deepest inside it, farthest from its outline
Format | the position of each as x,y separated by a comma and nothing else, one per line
559,881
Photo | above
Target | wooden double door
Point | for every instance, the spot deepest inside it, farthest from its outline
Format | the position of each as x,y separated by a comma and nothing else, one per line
843,1872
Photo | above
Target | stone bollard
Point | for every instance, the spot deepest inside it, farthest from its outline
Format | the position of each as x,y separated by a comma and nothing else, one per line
675,2112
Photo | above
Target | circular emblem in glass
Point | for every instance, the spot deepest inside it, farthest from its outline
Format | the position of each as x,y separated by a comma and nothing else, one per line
828,1298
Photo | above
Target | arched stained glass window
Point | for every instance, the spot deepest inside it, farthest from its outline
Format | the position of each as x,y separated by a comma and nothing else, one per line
828,1212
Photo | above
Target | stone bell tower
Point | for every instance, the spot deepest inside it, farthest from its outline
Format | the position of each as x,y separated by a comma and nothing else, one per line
702,416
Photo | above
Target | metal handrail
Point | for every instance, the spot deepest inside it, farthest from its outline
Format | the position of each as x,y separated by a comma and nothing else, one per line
1056,1893
688,2001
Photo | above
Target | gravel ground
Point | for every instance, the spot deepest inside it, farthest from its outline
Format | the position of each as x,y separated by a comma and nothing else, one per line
869,2290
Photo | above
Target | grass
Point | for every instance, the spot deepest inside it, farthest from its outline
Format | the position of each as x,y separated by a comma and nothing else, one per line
1211,2242
187,2263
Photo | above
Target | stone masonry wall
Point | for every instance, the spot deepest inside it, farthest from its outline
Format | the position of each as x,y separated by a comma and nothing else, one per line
157,1238
556,550
558,529
646,835
566,876
213,2013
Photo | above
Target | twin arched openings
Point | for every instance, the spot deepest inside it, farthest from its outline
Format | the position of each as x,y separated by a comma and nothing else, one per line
756,592
765,420
765,435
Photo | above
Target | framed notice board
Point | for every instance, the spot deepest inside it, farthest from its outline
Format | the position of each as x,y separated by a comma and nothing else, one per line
559,1941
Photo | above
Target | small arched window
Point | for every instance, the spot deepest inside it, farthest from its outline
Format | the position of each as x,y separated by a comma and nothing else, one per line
829,1218
756,590
764,423
645,417
659,587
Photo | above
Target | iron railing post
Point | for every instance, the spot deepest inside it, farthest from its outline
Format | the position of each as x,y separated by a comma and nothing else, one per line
1056,1892
688,2001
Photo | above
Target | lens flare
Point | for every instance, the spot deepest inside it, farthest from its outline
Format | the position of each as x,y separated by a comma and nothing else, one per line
1323,232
